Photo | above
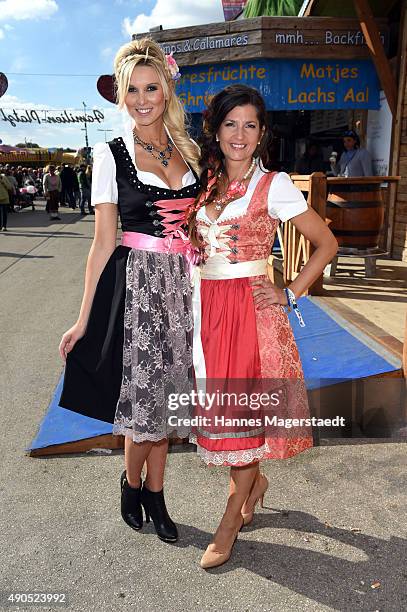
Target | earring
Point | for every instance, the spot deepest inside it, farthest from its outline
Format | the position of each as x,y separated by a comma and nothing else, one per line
217,138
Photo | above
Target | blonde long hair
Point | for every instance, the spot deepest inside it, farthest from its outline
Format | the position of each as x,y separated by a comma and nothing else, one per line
149,53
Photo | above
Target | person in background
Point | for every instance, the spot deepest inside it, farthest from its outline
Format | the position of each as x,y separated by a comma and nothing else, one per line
311,161
76,192
84,188
19,176
6,189
68,181
355,160
52,189
12,194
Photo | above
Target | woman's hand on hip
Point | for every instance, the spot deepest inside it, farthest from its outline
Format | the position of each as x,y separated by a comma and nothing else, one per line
70,338
265,293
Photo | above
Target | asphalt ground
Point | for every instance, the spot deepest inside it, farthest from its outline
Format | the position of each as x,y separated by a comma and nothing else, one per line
333,535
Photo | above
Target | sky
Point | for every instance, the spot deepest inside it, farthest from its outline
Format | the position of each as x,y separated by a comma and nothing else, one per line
40,38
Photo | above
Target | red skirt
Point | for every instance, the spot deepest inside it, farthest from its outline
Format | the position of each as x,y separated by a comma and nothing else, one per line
254,380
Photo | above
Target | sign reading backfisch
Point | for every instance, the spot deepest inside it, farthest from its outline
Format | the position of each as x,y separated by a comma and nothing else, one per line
286,84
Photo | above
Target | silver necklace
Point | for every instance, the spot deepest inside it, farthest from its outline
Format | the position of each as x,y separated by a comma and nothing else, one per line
163,156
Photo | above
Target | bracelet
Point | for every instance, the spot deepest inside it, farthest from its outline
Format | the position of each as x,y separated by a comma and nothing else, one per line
292,304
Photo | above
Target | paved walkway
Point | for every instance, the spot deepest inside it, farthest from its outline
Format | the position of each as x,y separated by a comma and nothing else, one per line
335,526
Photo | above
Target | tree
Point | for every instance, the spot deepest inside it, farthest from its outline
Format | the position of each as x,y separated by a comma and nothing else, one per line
272,8
27,145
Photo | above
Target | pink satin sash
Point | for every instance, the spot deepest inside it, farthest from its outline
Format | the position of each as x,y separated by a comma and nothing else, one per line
173,243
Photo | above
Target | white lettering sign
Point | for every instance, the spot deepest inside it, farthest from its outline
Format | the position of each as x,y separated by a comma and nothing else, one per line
206,43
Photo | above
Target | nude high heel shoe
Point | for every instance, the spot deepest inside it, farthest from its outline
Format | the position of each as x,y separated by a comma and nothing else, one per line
257,494
215,558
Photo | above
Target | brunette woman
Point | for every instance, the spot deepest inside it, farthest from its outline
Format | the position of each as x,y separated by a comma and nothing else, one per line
245,343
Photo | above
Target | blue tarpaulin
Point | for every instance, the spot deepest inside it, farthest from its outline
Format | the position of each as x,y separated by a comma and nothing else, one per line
332,350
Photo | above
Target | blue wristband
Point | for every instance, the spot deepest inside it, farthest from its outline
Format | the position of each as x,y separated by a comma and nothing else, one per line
292,303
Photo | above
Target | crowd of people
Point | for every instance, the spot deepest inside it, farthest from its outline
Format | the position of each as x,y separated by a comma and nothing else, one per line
60,186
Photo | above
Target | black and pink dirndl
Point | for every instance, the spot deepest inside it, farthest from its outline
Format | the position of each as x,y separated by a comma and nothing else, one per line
137,348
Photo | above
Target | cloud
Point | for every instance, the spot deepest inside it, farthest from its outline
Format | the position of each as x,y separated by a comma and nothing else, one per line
1,34
19,64
27,9
175,14
106,52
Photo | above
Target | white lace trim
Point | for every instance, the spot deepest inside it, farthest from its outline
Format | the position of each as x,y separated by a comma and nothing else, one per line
230,457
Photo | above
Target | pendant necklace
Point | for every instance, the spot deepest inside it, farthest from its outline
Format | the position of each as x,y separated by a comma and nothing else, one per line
163,156
235,188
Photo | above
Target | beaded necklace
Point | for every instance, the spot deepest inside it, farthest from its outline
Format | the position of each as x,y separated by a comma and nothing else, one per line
236,187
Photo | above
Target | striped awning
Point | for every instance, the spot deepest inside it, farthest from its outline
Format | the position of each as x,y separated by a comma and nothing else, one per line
232,8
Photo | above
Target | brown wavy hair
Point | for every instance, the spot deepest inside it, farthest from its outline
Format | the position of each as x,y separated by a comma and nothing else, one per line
212,157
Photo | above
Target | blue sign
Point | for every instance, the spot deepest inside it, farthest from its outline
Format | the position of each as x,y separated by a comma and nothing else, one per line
286,84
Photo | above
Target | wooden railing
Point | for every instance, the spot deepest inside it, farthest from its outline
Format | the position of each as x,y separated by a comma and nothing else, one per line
295,249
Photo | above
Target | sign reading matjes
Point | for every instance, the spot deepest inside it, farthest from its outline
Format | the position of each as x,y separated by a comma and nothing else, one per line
286,84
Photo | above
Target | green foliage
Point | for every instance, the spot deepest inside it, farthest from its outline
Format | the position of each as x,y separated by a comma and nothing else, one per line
272,8
27,145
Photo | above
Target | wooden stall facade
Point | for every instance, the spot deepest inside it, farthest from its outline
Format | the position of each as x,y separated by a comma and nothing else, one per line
311,38
267,37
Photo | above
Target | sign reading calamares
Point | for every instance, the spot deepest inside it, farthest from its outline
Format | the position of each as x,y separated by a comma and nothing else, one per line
31,116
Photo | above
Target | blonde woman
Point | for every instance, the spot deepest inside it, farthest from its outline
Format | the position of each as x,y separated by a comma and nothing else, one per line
132,343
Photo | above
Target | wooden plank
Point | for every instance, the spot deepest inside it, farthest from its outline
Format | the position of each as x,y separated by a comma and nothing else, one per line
107,441
397,153
270,50
212,56
335,24
317,199
307,10
405,349
401,208
375,332
80,446
371,32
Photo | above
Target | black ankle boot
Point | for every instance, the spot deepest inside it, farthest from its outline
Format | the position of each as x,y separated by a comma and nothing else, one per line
131,510
154,507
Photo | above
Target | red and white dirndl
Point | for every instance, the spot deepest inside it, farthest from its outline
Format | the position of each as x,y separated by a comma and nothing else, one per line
241,350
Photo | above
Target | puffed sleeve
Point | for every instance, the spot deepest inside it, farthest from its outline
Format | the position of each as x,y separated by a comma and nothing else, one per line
104,186
285,200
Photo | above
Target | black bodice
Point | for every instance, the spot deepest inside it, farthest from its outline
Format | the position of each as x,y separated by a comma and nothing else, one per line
136,201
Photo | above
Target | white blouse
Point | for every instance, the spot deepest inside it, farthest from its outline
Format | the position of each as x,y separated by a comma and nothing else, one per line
285,200
104,185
